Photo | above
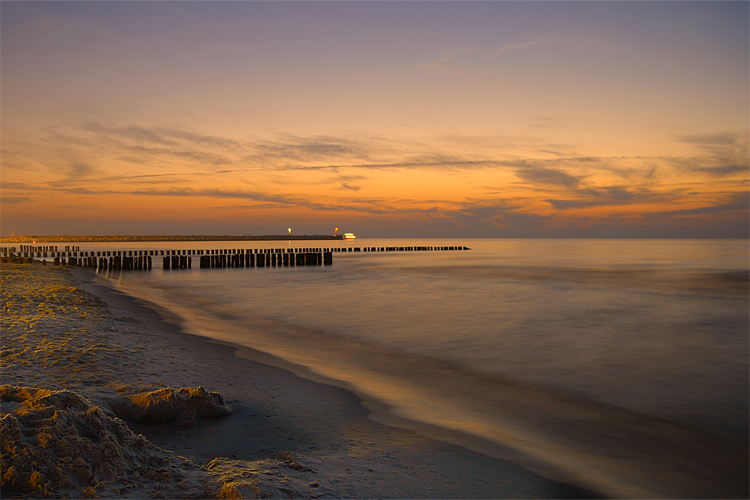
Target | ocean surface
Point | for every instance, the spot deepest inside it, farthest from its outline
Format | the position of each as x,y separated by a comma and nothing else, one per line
460,339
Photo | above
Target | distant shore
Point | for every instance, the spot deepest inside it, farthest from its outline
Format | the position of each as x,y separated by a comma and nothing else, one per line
64,238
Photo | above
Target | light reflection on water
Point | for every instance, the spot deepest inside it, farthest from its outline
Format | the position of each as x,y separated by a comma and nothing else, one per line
659,327
656,326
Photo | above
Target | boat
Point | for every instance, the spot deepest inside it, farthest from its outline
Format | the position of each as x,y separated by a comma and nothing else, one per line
349,236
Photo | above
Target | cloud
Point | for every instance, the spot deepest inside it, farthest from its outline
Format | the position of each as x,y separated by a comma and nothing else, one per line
200,138
545,123
143,145
522,45
272,200
313,148
445,62
159,147
548,176
217,193
499,218
432,165
709,139
461,58
15,200
725,170
348,178
206,158
158,135
510,219
79,170
725,154
437,65
130,132
406,165
147,178
560,181
733,202
611,195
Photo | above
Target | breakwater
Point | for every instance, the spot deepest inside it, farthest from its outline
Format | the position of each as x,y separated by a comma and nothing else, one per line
143,260
114,238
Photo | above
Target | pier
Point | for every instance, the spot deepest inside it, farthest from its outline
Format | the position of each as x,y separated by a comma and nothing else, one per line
143,260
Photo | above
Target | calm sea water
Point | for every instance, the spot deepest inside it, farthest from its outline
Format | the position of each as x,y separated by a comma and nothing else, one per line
657,328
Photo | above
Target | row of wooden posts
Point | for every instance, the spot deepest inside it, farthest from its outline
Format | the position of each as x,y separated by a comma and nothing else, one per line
132,260
42,248
145,262
46,252
276,259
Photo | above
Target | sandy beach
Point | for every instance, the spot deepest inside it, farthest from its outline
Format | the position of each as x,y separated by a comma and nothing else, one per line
105,397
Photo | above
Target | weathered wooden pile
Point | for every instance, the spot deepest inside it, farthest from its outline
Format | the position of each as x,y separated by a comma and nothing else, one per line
272,257
136,260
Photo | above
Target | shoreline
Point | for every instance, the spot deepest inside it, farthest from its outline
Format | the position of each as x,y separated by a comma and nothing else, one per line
337,450
614,451
373,409
374,412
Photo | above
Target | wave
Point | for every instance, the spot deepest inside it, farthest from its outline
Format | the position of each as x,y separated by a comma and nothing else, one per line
708,281
556,433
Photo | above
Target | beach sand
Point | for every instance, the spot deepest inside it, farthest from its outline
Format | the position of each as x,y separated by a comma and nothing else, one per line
253,429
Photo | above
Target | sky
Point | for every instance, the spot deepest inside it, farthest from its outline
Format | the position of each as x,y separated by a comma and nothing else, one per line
386,119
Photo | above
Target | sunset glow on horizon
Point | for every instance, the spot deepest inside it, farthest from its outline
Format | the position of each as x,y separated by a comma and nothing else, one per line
435,119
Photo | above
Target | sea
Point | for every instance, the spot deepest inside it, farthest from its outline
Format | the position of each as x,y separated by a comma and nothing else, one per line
481,342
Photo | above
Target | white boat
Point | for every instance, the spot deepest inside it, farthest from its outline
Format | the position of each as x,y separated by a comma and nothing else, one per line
349,236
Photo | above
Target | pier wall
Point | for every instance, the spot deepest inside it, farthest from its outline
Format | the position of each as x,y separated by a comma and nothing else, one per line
142,260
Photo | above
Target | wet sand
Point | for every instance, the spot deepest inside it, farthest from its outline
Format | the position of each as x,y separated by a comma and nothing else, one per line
287,436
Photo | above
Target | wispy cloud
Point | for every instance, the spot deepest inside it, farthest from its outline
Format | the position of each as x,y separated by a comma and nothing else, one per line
158,149
559,185
347,181
436,65
158,135
724,170
16,200
521,45
202,157
79,170
547,176
143,145
546,122
724,154
306,149
162,178
604,196
731,202
451,60
462,58
277,200
710,140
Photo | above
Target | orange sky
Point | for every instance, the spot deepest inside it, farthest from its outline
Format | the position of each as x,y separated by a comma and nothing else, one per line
483,119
